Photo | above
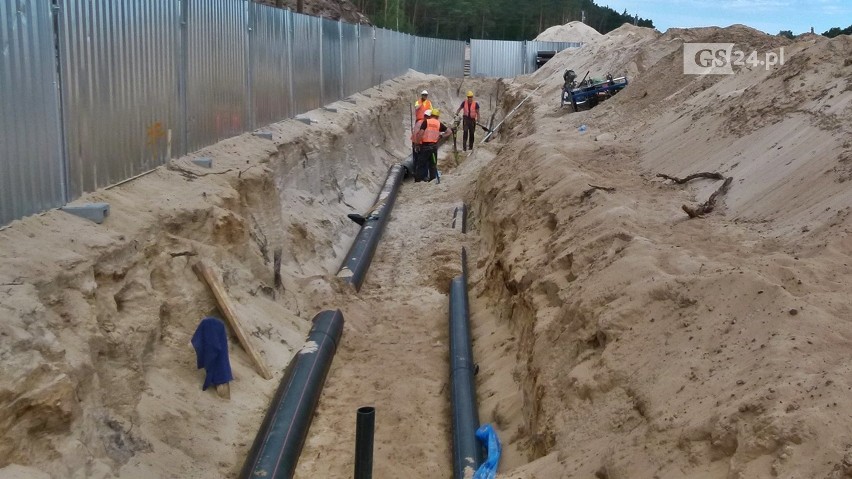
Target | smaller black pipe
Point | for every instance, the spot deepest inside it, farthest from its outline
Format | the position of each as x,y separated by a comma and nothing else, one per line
278,444
364,428
354,268
460,217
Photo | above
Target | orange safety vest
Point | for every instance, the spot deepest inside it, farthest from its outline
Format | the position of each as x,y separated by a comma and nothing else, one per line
469,109
415,131
420,109
433,131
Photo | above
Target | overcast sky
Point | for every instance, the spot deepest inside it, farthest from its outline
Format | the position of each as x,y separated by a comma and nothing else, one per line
771,16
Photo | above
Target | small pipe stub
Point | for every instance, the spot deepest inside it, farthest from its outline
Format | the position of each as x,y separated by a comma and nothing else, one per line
364,431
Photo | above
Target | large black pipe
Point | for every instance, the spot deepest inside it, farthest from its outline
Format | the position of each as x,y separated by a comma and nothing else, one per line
364,428
275,451
467,452
358,259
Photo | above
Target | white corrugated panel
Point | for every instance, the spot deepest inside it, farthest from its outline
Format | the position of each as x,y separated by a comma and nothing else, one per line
119,88
31,167
217,100
269,50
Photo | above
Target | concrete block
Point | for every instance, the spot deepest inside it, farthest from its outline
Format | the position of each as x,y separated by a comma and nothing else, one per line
330,108
203,162
304,120
263,134
91,211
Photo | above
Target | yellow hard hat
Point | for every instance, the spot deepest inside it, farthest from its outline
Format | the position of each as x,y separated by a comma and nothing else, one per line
436,112
469,93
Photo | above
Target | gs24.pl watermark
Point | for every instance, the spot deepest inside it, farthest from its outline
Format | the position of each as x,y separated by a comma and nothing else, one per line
720,59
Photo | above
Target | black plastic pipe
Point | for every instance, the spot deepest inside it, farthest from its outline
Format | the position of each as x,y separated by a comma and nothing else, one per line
278,444
460,218
364,428
467,452
358,259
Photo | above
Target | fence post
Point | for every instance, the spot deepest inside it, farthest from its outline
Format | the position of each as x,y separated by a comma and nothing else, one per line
289,34
318,22
342,63
183,69
251,19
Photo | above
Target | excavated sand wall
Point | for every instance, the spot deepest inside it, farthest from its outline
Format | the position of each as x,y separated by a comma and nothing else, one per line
98,376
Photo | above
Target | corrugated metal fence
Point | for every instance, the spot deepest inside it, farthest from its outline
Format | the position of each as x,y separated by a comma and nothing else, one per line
32,171
505,59
97,91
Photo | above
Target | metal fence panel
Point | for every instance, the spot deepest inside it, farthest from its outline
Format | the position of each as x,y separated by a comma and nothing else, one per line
307,53
531,48
496,58
216,71
349,50
366,53
438,56
31,168
119,79
393,55
270,66
332,68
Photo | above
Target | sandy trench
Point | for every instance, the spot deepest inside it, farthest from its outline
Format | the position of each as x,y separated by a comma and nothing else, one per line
615,338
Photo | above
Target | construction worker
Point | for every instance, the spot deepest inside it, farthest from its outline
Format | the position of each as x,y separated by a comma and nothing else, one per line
421,105
415,147
471,116
431,132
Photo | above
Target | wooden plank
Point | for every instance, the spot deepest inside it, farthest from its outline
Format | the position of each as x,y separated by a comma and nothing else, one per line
228,310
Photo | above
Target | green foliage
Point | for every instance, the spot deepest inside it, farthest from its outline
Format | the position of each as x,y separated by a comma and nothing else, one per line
489,19
838,31
786,34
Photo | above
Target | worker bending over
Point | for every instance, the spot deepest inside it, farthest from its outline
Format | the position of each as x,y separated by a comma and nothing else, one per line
469,119
428,138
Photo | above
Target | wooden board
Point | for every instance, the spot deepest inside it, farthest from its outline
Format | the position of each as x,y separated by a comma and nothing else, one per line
228,310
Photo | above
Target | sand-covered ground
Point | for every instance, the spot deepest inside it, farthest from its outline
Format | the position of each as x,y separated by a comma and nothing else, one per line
616,338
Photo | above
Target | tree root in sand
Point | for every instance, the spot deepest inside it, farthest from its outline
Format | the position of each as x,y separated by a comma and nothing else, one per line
703,174
588,193
710,204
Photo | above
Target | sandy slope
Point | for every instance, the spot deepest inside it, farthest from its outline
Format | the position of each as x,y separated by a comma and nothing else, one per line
665,347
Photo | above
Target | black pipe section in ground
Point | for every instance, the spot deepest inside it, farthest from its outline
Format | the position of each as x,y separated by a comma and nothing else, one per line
460,217
467,452
358,259
364,428
278,444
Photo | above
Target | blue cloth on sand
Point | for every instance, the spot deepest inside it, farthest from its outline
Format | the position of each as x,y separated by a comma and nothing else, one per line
211,352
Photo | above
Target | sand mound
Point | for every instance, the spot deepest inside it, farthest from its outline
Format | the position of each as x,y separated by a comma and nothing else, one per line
570,32
667,347
628,29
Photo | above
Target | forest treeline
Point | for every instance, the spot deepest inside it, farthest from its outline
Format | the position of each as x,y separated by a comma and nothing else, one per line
490,19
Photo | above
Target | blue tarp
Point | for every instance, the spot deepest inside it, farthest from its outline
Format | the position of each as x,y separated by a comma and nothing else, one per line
488,469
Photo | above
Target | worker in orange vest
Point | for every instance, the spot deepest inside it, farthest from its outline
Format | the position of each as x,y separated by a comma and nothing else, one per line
421,105
471,116
431,132
415,142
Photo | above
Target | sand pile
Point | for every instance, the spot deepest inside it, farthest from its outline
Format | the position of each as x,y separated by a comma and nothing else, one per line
570,32
664,347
